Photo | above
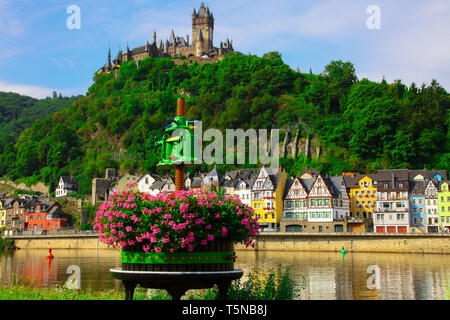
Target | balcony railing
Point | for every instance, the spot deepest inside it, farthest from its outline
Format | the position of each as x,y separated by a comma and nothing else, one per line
355,219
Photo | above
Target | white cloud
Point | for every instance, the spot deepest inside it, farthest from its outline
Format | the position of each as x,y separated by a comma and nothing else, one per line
38,92
413,44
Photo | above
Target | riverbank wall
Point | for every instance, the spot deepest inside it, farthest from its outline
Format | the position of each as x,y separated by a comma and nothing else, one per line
330,242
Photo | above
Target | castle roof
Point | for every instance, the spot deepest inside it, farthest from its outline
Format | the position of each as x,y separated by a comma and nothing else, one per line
202,12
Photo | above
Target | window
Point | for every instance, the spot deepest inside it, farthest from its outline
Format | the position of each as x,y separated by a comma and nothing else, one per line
400,216
380,216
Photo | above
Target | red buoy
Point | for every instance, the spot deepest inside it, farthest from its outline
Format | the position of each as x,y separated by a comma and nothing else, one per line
50,255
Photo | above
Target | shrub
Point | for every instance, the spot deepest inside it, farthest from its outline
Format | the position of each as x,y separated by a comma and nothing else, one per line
182,220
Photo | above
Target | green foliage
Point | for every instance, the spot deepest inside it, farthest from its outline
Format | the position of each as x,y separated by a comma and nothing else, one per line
271,285
5,242
18,112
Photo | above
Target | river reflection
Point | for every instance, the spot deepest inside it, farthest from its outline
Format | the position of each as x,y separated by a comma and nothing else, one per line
323,275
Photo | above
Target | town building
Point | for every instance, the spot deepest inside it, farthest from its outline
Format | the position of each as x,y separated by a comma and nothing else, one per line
213,180
431,205
417,205
126,183
363,194
295,207
267,197
66,185
15,216
200,46
165,184
243,189
328,205
444,205
2,215
145,182
102,187
391,212
43,216
239,182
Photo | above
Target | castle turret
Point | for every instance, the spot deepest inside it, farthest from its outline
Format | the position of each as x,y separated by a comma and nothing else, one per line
154,37
128,55
203,21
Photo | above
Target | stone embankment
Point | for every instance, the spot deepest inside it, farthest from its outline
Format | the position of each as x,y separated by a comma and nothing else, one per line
361,242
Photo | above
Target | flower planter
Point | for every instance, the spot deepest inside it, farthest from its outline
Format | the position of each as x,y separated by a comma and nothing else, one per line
217,255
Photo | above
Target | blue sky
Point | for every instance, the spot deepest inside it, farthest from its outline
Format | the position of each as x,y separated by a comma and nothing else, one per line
39,54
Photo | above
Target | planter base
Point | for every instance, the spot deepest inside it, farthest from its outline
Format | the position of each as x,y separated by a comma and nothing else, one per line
176,283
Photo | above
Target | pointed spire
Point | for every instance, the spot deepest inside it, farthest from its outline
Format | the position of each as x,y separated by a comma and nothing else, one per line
109,64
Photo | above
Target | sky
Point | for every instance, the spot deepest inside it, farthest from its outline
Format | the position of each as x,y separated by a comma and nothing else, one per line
39,54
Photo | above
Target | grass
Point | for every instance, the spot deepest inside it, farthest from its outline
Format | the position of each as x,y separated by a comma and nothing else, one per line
260,285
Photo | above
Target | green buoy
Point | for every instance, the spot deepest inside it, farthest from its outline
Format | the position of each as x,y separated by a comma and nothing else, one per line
343,253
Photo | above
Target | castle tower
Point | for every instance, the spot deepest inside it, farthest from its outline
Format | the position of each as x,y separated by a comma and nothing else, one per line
128,55
203,21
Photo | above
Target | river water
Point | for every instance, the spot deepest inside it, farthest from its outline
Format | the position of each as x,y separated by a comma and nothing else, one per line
320,275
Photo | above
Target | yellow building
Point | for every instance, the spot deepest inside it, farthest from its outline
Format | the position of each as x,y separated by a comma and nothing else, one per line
267,197
2,216
124,183
444,205
363,194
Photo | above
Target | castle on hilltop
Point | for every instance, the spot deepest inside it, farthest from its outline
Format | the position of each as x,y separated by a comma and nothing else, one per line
202,45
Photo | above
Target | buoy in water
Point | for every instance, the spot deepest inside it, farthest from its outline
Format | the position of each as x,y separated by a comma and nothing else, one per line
50,255
343,252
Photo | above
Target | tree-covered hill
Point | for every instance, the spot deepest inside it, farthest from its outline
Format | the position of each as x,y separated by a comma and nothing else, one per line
359,124
18,112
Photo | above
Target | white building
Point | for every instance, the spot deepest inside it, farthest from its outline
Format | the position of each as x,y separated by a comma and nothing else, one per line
145,182
66,185
431,206
165,184
243,190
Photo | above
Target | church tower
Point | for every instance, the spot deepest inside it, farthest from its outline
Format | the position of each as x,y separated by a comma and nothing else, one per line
203,21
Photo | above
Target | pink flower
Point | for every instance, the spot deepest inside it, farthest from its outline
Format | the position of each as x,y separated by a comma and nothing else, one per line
204,242
208,227
224,232
210,237
158,249
184,207
165,240
128,229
